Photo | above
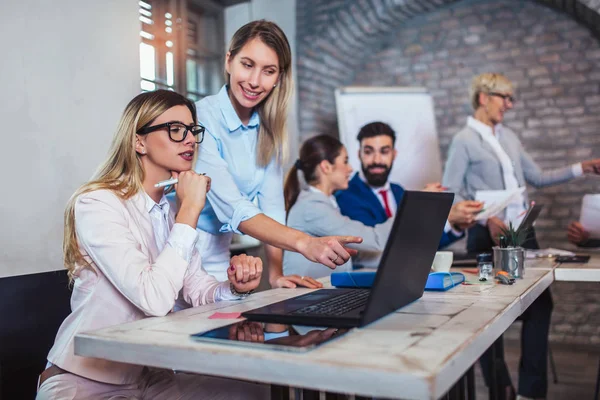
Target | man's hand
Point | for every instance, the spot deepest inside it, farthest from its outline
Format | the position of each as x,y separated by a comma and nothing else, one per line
495,226
591,166
577,234
462,214
434,187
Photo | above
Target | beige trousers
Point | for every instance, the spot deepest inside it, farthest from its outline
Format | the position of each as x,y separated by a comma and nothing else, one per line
155,384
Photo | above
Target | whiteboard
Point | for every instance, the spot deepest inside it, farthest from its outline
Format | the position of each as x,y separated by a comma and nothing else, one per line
409,111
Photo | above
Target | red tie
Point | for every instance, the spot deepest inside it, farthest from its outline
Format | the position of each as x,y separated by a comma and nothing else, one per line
388,210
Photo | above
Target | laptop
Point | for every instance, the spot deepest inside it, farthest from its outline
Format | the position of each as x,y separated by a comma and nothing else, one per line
400,278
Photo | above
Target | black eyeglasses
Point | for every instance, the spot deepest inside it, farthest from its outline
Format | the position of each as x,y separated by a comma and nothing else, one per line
177,131
505,97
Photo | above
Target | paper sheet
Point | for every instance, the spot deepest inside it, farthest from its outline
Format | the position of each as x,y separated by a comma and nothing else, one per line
590,214
495,201
549,252
225,315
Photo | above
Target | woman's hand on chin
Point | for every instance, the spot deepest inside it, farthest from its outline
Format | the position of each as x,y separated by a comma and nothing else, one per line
191,190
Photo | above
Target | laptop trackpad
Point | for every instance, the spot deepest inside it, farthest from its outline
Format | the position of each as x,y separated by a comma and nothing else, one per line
295,303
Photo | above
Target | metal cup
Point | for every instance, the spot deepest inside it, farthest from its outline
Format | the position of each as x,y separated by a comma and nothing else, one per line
510,259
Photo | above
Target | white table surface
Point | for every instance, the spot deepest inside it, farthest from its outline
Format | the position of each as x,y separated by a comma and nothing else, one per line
589,272
418,352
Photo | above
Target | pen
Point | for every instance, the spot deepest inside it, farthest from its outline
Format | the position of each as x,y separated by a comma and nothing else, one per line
168,182
171,181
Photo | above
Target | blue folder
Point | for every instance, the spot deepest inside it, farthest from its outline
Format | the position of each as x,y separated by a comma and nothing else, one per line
364,279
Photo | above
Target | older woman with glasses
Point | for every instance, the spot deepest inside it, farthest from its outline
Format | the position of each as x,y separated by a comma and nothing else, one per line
486,155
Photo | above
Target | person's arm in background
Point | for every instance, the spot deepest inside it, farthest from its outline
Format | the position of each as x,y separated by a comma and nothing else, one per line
239,214
461,217
580,237
535,176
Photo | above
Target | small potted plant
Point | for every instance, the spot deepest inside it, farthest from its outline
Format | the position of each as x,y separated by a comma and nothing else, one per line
509,255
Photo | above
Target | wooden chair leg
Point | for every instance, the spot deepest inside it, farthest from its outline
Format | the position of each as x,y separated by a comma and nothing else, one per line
597,383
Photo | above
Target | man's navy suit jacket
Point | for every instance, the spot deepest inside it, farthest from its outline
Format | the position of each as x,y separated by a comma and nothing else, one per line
359,203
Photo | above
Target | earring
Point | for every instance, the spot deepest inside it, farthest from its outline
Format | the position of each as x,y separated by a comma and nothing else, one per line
275,85
143,151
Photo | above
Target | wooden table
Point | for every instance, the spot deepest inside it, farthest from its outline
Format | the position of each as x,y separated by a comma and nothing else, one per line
589,272
418,352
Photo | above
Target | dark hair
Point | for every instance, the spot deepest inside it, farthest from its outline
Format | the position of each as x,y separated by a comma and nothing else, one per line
373,129
312,152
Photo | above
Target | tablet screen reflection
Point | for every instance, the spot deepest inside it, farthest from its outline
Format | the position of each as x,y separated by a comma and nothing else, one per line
276,335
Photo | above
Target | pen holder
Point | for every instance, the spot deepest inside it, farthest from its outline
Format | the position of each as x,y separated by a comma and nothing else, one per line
510,259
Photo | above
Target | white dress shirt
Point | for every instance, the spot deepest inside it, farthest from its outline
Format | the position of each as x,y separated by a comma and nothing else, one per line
394,205
515,210
377,192
181,237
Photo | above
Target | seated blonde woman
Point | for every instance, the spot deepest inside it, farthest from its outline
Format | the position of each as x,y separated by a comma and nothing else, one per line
324,163
130,256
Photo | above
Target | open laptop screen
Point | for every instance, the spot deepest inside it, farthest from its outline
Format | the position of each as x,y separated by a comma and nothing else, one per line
409,252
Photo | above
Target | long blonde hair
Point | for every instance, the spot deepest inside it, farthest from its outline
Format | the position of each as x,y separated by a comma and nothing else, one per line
122,172
272,135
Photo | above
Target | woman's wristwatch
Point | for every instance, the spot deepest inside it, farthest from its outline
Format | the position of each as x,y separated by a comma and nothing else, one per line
241,295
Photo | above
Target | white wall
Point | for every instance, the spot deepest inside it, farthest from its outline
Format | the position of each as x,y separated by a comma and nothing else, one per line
283,13
68,69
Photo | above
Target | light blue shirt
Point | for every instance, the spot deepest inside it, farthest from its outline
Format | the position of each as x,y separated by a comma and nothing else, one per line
240,189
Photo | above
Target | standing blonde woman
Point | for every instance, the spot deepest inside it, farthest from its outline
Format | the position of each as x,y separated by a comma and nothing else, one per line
130,256
487,155
246,140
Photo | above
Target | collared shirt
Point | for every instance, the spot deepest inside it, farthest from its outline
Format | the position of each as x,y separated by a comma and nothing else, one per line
377,192
515,210
181,237
331,198
240,189
394,205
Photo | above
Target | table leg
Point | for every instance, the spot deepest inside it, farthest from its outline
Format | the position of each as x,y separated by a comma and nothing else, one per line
308,394
471,383
459,390
497,392
454,392
280,392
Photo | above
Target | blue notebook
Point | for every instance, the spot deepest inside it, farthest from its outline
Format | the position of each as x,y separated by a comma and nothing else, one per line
364,279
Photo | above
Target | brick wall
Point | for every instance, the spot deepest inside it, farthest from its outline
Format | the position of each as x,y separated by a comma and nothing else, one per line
553,59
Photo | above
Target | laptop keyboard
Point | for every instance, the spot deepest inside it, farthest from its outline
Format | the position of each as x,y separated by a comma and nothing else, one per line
337,305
